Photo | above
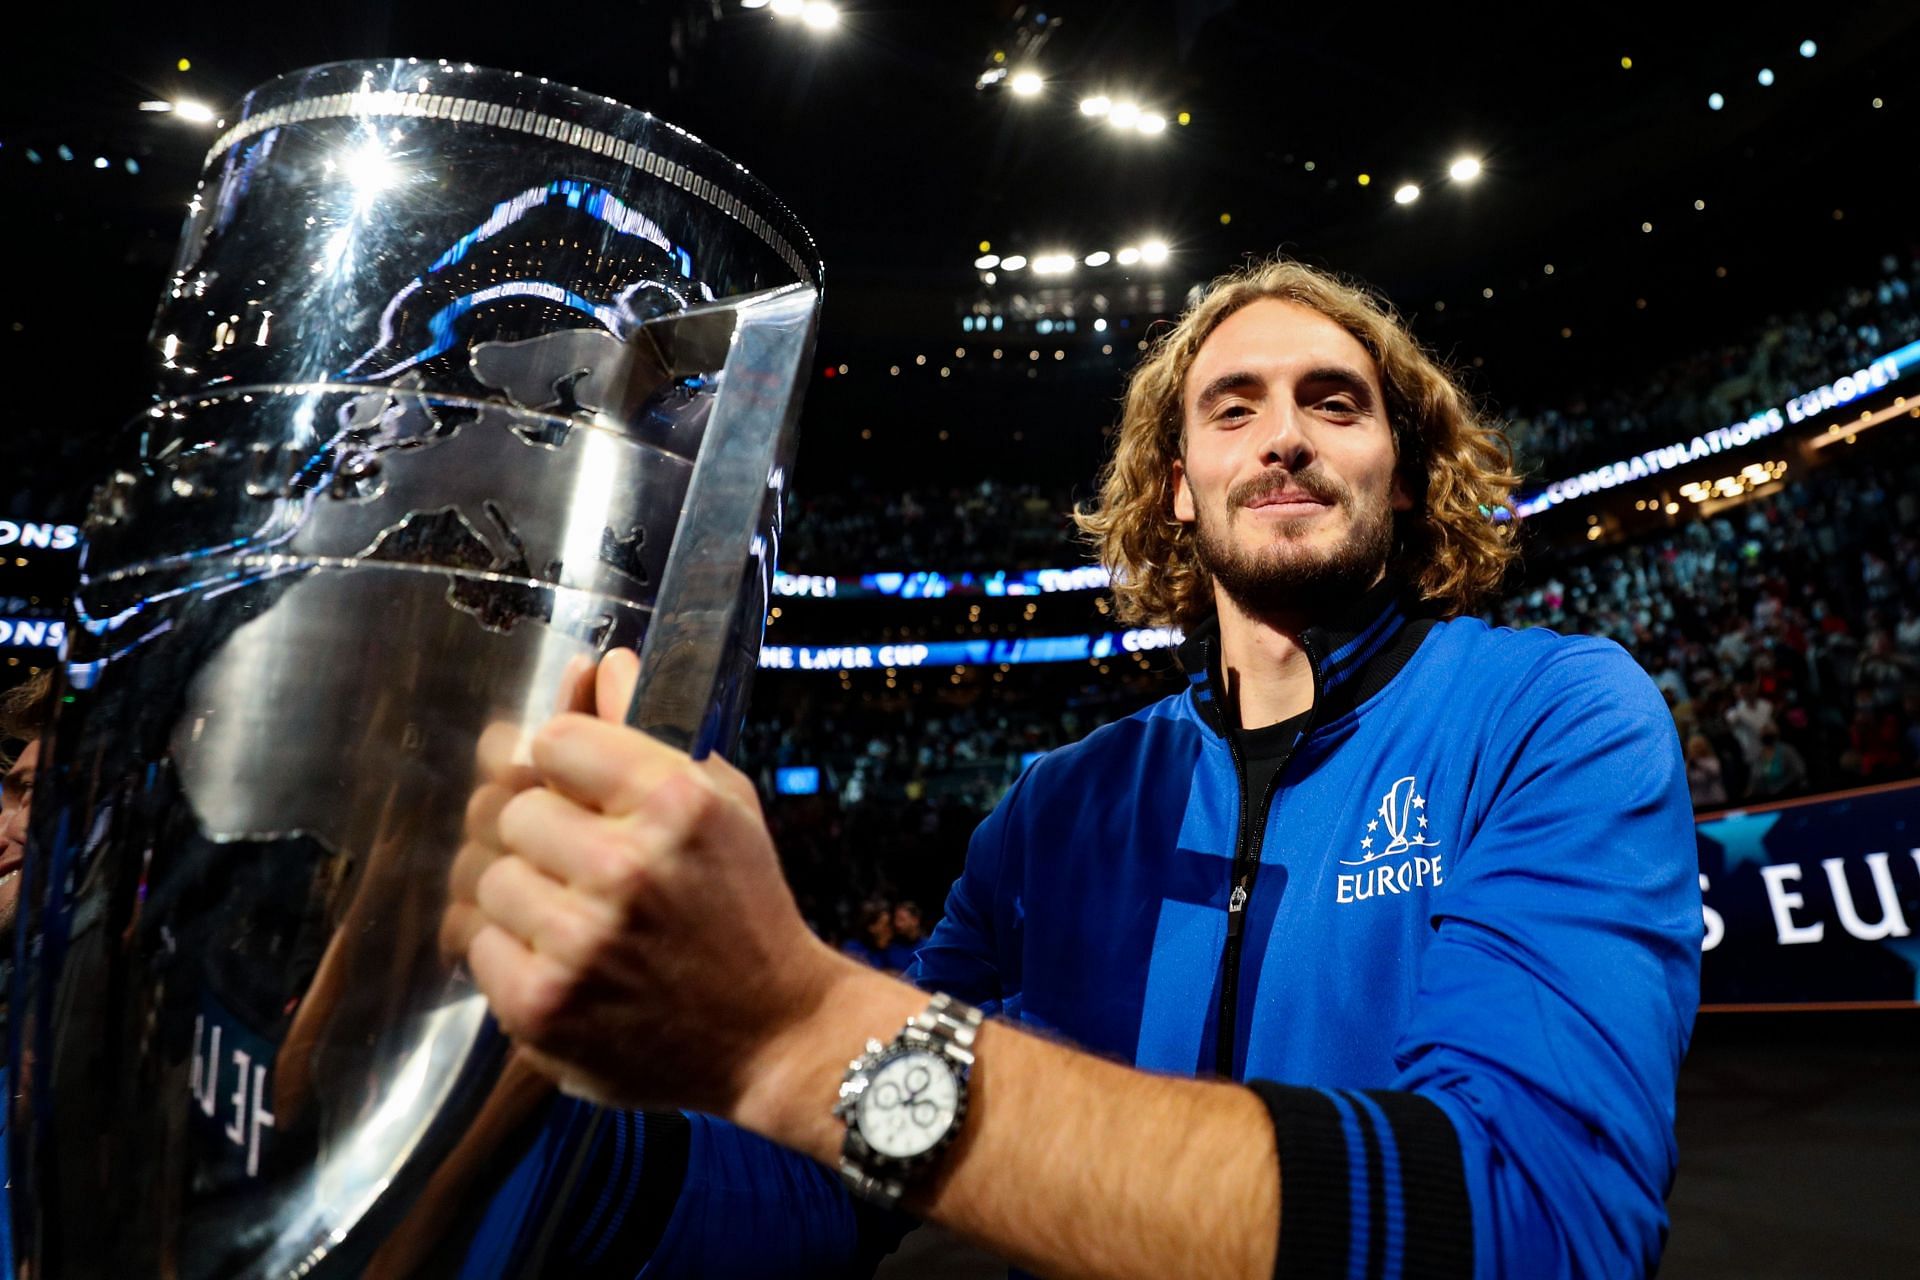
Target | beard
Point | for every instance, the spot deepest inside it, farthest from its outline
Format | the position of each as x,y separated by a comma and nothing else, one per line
1287,576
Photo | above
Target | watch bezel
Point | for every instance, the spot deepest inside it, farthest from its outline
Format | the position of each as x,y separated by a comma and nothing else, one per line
859,1078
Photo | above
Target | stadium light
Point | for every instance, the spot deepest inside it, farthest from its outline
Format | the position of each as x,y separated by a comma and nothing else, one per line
753,4
1013,262
1098,105
1465,169
1765,77
987,261
1124,114
1152,123
820,15
1153,252
197,112
1407,194
1099,258
1808,48
1026,83
1715,102
1127,256
788,8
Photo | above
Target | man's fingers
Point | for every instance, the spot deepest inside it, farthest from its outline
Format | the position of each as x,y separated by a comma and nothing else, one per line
528,991
503,756
613,684
482,822
602,765
605,858
550,918
731,782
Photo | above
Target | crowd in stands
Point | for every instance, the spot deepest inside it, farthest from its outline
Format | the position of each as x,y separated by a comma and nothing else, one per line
991,524
1784,634
905,778
1789,355
995,524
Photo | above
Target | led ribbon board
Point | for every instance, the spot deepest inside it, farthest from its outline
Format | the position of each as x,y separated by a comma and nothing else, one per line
924,584
1882,372
965,653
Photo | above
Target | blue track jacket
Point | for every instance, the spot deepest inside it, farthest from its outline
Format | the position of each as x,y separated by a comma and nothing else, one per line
1462,974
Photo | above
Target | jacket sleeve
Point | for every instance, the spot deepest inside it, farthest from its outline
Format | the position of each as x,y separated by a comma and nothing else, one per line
695,1198
1529,1131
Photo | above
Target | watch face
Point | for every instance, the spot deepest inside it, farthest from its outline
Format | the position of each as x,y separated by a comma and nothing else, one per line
908,1105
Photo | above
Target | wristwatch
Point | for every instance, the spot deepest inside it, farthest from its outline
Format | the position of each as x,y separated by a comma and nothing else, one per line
903,1101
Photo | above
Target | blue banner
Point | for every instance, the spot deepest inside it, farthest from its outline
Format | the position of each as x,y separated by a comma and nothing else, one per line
1813,901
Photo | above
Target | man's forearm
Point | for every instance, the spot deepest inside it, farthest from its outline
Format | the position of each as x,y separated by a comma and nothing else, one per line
1067,1164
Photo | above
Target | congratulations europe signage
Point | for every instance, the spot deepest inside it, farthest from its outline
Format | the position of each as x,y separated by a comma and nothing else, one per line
1835,395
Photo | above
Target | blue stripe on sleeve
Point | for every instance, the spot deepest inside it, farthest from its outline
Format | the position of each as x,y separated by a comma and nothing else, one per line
1357,1189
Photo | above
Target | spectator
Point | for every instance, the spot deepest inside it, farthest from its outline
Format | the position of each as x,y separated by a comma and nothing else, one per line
1777,771
1749,717
1703,774
874,943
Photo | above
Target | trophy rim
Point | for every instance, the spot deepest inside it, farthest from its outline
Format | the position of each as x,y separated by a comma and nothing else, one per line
261,109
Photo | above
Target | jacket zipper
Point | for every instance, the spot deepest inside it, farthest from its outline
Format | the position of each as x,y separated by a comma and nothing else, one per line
1246,866
1247,842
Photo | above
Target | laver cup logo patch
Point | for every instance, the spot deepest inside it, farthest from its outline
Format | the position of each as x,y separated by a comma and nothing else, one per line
1392,853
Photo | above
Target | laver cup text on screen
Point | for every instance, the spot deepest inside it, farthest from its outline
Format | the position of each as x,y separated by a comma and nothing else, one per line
464,378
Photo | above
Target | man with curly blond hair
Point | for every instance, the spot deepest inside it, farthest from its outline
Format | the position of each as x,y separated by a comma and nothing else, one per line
1372,953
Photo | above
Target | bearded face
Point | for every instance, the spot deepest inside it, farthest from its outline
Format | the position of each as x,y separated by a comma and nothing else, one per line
1288,477
1281,566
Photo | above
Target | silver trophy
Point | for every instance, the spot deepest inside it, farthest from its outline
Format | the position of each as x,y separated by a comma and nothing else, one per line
464,379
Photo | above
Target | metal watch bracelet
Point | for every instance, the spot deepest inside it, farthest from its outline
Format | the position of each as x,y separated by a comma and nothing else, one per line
946,1027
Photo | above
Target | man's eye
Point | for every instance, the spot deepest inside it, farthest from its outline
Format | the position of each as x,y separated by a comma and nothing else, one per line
1341,406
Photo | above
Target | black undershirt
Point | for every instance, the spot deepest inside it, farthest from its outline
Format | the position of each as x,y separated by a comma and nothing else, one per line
1264,752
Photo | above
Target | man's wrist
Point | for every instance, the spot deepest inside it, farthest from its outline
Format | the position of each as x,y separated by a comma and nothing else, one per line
789,1089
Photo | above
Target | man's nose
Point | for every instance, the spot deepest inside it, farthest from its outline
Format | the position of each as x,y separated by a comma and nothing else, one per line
1286,443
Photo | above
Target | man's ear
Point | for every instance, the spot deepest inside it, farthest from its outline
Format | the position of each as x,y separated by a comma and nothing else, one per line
1182,494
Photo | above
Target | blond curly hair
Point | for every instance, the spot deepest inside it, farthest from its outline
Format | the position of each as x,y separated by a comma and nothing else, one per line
1456,464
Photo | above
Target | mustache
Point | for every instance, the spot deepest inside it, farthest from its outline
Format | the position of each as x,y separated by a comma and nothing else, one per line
1315,484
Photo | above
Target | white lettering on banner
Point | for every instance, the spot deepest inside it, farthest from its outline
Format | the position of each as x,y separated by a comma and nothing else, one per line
1716,926
1784,901
42,633
1892,923
1843,389
248,1098
820,587
54,537
783,657
1084,578
1146,638
203,1074
836,659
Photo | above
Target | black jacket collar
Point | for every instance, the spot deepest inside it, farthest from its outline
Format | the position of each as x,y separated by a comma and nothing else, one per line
1354,653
